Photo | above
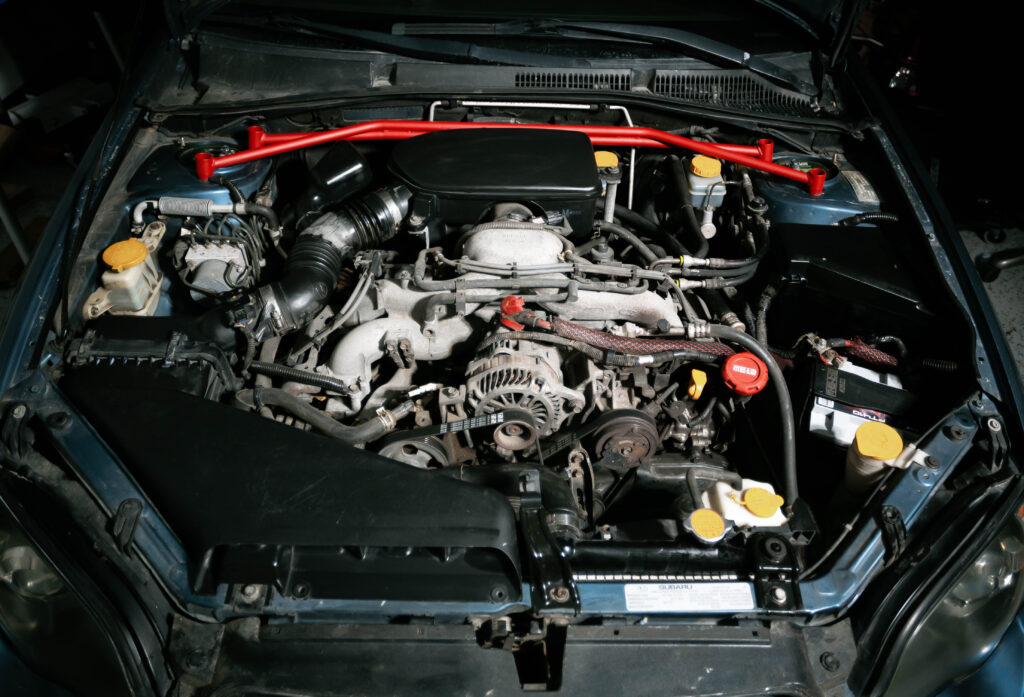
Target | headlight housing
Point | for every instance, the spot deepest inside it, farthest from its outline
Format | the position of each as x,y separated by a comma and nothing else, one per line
960,632
47,624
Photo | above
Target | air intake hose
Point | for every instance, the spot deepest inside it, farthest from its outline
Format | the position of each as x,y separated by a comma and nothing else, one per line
316,259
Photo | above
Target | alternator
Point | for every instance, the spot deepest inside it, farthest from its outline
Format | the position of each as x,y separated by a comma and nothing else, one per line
523,375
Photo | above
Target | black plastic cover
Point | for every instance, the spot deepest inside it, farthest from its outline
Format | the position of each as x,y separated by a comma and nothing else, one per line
254,501
469,170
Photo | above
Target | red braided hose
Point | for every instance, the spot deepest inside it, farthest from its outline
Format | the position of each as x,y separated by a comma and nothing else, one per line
635,345
871,356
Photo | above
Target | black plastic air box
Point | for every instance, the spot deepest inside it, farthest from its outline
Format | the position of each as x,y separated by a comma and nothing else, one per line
467,171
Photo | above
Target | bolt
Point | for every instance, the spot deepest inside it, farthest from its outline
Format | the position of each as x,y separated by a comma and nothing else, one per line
513,429
19,411
560,594
250,592
830,661
606,533
931,463
300,591
35,389
994,425
450,391
499,594
955,432
779,595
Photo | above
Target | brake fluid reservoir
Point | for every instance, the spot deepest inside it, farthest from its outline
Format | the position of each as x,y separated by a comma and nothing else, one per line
756,505
705,179
131,284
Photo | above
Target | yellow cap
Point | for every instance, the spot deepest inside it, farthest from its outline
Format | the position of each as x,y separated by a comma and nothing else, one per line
698,378
761,502
126,254
877,441
603,158
707,524
704,166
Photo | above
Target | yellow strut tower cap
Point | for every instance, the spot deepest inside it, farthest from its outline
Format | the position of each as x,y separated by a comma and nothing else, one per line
704,166
877,441
707,524
761,502
603,158
126,254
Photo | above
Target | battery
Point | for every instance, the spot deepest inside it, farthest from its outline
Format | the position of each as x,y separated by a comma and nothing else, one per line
844,398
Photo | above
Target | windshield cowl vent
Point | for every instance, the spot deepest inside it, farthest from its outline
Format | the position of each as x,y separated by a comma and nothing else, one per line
732,89
615,80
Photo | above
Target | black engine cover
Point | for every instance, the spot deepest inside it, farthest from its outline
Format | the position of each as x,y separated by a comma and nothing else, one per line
469,170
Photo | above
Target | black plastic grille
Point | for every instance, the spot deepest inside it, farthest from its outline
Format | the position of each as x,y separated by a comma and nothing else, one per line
575,80
731,89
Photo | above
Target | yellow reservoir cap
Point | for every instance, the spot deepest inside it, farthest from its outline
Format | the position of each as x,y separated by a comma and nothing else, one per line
877,441
704,166
707,524
603,158
126,254
698,379
761,502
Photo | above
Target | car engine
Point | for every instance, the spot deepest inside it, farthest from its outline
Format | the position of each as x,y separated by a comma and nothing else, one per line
659,344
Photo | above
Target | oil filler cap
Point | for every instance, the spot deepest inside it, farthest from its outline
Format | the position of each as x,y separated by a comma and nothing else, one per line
125,254
744,373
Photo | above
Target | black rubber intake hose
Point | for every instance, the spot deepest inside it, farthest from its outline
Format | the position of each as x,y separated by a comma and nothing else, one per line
364,432
316,259
785,403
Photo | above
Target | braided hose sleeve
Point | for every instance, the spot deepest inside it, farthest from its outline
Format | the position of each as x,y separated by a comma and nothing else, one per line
871,356
635,345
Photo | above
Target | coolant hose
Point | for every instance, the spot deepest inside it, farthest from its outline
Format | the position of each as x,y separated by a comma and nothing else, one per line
622,233
631,217
785,402
691,226
364,432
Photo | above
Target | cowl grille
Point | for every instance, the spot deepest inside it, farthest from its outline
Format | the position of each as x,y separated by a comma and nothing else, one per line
575,80
731,89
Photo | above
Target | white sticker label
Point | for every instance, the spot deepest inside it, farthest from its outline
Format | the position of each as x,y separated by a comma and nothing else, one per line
861,186
689,597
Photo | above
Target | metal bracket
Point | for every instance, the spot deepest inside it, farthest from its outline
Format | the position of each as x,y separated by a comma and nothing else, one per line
553,586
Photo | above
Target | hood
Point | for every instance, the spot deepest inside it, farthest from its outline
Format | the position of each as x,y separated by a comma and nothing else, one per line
829,23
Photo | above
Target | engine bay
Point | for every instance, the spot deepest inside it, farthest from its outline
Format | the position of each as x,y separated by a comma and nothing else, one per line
660,365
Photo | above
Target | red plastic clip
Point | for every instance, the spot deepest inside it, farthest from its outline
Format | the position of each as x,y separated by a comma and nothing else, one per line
512,305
